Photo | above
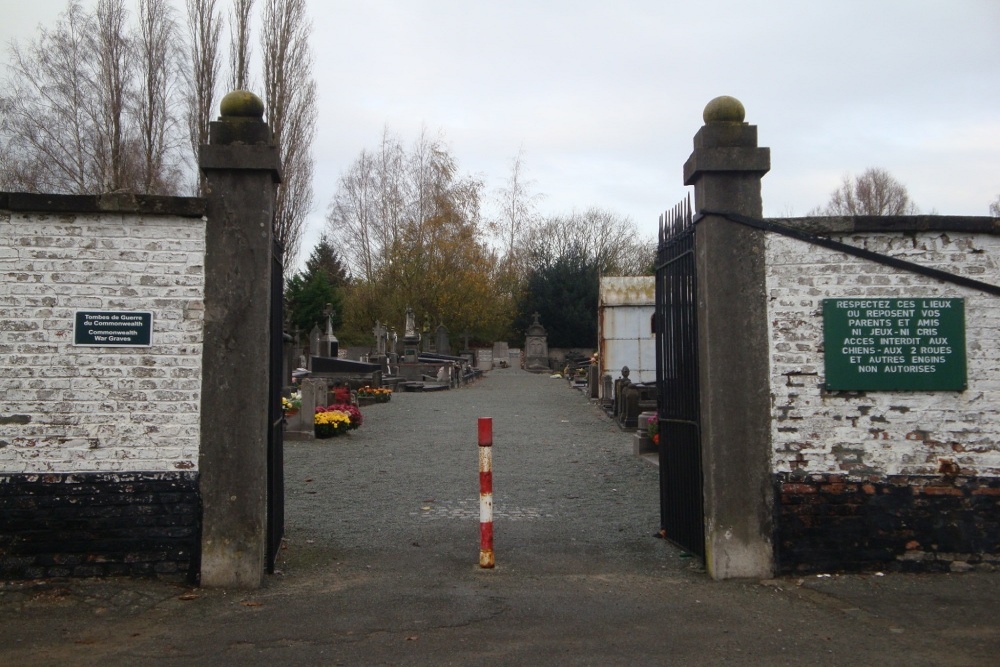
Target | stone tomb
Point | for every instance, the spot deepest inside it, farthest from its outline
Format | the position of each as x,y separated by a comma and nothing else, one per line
536,356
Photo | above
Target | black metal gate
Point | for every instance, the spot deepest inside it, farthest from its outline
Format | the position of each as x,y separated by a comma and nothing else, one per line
681,507
275,415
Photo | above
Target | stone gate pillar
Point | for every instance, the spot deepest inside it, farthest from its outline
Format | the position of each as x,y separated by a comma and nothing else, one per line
725,169
241,168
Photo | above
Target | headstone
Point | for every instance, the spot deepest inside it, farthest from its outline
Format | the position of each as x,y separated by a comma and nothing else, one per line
621,384
392,343
411,325
315,347
411,339
536,346
501,354
629,416
330,345
443,346
484,359
313,391
642,443
380,338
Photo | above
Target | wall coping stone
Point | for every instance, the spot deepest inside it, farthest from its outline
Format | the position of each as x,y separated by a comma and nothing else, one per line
186,207
892,223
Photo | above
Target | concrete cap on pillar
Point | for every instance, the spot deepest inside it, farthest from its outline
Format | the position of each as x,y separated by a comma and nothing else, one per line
725,145
241,122
724,109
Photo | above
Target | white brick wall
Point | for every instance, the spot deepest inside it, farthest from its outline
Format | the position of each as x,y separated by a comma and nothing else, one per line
99,409
881,433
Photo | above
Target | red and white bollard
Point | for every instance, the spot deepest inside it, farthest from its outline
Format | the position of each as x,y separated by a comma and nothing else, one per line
486,492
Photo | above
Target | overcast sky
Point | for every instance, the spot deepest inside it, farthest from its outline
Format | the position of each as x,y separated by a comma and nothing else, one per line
605,97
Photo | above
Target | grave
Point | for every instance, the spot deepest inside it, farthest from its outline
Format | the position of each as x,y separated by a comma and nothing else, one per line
411,338
607,398
442,345
431,370
501,354
536,357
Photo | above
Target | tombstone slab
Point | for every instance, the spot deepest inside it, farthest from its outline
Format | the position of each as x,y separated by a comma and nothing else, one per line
536,348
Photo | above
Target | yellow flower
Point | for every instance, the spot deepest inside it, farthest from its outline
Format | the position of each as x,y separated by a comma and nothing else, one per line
336,418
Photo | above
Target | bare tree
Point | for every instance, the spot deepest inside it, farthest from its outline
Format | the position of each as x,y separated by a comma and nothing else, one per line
86,105
204,28
155,114
874,192
412,234
351,217
517,215
49,127
368,210
392,197
995,207
392,191
8,166
290,102
608,240
239,44
113,79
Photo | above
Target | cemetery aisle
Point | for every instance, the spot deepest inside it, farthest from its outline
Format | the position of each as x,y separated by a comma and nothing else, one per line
565,483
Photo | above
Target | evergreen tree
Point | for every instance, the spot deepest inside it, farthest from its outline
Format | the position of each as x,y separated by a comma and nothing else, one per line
564,291
310,292
325,258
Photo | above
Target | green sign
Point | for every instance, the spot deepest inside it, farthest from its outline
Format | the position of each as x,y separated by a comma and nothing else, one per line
113,328
894,344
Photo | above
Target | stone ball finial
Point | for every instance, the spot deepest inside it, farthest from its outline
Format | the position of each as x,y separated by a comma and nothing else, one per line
724,109
241,104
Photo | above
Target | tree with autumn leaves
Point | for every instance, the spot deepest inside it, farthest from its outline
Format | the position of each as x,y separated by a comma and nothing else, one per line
408,224
412,229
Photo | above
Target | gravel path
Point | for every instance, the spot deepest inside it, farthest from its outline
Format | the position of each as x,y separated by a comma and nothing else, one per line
565,479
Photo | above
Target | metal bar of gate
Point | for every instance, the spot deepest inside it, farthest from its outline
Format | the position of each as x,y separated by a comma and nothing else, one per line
275,436
681,504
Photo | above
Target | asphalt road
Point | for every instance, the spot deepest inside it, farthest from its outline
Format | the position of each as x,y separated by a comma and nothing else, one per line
381,567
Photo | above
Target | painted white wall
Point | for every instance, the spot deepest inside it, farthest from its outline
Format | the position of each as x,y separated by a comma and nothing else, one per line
879,432
100,409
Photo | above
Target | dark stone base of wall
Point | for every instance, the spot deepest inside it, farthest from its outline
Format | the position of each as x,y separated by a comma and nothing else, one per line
832,523
99,524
